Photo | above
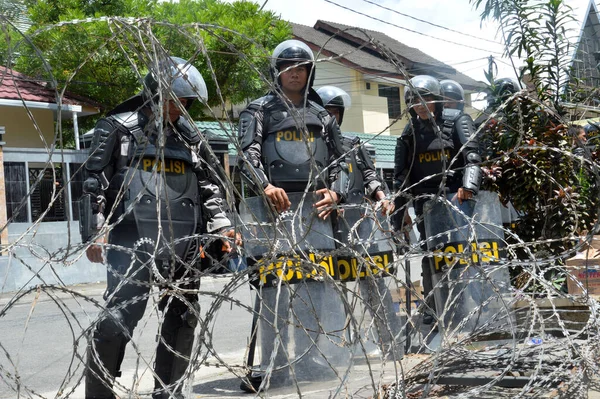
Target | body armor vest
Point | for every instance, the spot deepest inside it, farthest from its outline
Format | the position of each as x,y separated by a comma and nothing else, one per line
158,187
355,191
432,157
294,150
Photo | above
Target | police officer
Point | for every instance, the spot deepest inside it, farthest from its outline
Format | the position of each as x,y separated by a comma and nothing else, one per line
579,139
422,159
375,292
454,105
453,94
275,133
336,101
150,183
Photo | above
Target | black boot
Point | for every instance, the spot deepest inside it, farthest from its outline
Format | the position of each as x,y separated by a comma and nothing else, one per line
251,383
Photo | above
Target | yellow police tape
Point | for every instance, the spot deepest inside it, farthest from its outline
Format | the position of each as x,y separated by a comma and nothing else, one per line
294,268
480,252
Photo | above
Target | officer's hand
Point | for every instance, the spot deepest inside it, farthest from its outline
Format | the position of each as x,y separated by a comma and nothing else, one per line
278,198
463,195
325,206
94,252
226,247
387,206
407,219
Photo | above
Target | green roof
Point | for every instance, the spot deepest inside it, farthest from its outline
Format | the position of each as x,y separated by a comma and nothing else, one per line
385,146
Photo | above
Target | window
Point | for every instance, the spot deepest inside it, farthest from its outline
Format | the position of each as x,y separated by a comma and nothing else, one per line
78,175
47,197
16,191
393,96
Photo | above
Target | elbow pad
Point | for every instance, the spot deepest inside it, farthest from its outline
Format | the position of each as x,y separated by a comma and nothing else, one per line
472,178
247,128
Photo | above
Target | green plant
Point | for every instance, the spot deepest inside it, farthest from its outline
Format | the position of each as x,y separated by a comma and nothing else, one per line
529,159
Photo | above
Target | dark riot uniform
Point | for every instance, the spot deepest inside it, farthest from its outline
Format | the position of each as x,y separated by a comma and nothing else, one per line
362,175
129,174
289,147
423,157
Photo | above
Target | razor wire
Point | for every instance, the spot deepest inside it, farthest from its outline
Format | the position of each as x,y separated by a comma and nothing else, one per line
519,338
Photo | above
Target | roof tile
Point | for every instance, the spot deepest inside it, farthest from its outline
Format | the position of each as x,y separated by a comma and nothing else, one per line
16,86
355,48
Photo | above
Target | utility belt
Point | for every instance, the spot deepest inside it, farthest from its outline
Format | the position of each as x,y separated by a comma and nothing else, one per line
433,186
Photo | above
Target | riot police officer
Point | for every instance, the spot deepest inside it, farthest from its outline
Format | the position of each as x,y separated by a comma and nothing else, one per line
289,145
454,105
150,184
500,91
453,94
422,160
336,101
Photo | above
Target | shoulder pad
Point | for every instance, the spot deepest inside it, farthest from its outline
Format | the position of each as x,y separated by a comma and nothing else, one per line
188,132
129,120
408,130
260,102
352,139
133,122
318,109
450,114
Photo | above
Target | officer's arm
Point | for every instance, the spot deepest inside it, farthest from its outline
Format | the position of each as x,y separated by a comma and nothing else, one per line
215,210
470,150
401,163
250,131
100,168
337,179
373,185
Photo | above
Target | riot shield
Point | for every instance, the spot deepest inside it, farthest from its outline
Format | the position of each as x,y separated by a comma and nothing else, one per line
366,254
291,266
471,287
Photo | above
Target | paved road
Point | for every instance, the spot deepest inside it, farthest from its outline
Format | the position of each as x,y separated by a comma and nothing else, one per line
43,339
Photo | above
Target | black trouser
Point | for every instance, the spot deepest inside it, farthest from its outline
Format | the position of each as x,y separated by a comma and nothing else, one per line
129,279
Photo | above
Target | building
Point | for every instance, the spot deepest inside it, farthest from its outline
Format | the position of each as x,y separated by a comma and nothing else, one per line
583,97
39,183
368,65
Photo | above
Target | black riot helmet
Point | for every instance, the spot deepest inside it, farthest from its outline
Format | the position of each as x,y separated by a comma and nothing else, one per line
178,78
334,97
293,51
424,85
453,91
502,89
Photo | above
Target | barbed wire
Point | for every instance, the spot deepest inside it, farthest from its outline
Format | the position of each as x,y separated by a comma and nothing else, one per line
316,308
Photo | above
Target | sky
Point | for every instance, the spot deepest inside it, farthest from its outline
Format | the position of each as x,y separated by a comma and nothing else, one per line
458,15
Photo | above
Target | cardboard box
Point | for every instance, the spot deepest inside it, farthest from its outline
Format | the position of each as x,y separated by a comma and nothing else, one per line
584,268
594,243
399,296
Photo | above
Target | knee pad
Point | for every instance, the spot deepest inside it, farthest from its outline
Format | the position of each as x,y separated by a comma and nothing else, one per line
113,324
179,310
190,316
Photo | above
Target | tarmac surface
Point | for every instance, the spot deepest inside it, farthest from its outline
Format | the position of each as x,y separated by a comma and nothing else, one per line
43,341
